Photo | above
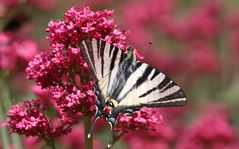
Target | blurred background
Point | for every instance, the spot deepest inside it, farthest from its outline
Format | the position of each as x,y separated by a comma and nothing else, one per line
195,42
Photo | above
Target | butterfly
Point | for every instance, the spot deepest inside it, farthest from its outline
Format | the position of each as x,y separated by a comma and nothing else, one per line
125,84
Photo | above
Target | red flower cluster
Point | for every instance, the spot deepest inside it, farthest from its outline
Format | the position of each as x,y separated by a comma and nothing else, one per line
212,130
54,67
28,118
13,51
82,23
72,101
160,138
143,119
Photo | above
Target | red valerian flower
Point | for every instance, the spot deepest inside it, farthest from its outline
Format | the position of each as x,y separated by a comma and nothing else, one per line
28,118
160,138
143,119
211,130
82,23
13,51
203,23
42,4
31,142
73,101
202,58
9,3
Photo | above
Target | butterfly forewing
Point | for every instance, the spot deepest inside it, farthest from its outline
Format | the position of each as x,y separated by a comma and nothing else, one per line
149,87
158,90
102,57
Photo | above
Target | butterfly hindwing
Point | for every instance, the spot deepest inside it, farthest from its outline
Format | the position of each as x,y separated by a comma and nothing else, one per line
158,90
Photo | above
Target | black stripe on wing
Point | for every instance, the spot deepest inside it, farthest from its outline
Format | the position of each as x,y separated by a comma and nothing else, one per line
177,95
144,77
102,51
97,53
89,47
128,78
112,63
125,69
162,91
162,86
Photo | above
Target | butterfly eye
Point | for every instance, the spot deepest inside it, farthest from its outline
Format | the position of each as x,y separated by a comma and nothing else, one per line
130,49
110,104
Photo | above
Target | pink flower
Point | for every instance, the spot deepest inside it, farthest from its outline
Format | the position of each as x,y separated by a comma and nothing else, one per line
202,58
139,17
7,57
202,23
42,4
13,51
9,3
160,138
26,49
31,142
143,119
46,70
41,93
211,130
81,23
73,101
28,118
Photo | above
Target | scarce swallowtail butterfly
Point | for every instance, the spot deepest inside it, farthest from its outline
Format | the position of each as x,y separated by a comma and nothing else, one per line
124,84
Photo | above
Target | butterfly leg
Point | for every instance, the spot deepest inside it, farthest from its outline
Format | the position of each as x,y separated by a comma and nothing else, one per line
98,114
129,111
112,123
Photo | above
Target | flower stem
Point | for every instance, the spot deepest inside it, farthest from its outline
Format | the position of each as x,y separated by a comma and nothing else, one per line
17,141
51,143
6,102
87,126
117,137
4,131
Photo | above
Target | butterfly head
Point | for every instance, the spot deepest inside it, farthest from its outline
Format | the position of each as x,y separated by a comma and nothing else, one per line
130,53
109,105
